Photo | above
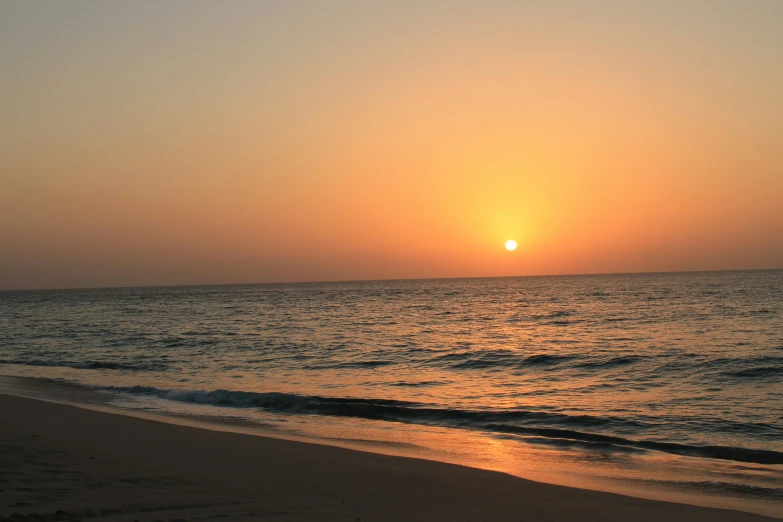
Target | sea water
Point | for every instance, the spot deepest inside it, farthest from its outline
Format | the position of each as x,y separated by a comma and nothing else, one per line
659,385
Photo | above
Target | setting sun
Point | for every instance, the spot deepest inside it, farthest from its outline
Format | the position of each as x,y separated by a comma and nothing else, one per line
511,244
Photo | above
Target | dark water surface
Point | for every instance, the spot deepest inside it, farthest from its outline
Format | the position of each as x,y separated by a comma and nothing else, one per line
634,371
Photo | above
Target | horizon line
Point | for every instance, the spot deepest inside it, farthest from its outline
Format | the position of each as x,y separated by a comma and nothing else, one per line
382,280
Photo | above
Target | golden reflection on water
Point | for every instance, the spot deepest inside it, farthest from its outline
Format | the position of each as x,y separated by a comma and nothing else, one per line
682,358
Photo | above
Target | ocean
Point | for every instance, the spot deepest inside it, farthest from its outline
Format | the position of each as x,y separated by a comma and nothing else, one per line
659,385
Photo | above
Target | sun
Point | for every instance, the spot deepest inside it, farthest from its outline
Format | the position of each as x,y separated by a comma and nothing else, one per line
511,244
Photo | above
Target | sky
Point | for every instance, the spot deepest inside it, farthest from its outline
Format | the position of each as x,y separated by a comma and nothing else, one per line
200,142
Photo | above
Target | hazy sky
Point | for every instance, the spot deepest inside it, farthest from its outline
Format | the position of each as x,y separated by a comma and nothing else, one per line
187,142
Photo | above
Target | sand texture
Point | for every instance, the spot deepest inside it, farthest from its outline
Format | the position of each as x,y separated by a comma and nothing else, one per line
60,462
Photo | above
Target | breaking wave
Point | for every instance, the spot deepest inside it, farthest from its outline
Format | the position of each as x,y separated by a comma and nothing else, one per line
556,427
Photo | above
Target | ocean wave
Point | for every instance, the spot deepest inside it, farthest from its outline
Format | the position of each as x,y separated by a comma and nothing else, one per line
546,358
723,488
551,315
416,384
547,425
748,368
501,359
337,365
756,456
88,365
610,362
763,371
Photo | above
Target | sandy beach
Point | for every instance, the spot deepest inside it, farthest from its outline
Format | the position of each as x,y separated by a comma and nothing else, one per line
60,462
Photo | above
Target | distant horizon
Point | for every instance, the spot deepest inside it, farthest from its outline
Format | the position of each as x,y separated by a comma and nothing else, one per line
381,280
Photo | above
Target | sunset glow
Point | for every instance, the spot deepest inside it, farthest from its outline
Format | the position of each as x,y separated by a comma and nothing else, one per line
273,142
511,244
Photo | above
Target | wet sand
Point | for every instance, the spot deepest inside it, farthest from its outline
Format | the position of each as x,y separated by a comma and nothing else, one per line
60,462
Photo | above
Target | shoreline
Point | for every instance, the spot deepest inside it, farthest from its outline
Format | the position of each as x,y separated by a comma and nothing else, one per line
88,463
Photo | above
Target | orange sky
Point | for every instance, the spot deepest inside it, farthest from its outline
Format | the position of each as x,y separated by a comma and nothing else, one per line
204,142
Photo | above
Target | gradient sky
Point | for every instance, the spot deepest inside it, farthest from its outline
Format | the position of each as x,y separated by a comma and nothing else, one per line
189,142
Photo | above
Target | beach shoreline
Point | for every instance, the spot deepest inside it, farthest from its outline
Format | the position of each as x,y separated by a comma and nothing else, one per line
93,464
